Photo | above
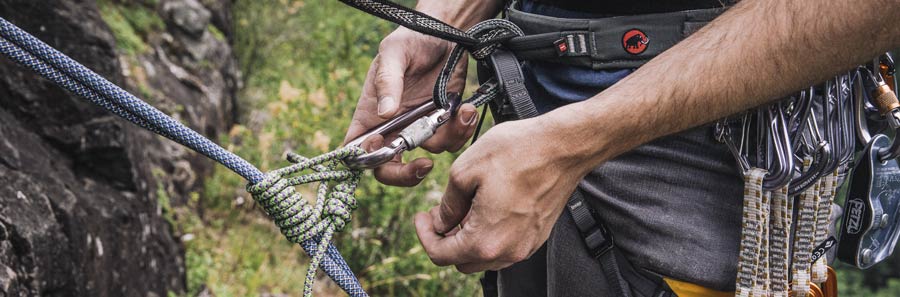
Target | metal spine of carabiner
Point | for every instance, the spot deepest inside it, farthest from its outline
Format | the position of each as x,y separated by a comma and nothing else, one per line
414,127
885,101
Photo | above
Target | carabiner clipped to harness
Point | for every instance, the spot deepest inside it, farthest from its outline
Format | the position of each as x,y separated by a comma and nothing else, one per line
871,225
416,126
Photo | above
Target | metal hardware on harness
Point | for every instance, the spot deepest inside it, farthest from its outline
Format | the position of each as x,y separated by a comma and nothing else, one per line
415,126
871,225
888,106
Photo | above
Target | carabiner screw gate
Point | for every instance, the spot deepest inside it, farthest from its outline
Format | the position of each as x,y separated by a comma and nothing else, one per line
418,125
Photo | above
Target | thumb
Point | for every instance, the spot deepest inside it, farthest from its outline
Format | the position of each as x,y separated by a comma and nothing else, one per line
389,81
455,204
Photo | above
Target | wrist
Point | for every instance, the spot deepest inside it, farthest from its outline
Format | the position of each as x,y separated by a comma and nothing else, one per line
571,141
593,131
461,14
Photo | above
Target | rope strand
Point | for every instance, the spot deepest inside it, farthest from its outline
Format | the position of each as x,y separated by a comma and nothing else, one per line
32,53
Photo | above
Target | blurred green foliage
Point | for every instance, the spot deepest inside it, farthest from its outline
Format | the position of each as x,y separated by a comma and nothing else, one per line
130,23
304,63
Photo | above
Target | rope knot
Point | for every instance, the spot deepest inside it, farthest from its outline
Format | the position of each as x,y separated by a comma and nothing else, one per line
298,219
491,34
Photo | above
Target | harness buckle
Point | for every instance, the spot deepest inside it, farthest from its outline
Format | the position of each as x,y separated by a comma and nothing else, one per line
599,241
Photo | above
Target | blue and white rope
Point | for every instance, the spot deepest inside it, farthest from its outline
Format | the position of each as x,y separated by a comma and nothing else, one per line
32,53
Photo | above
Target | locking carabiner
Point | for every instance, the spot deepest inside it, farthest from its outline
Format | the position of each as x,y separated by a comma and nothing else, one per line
888,106
416,126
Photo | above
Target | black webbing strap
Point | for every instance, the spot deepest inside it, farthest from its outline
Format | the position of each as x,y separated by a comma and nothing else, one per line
482,41
598,243
413,20
623,278
508,73
604,43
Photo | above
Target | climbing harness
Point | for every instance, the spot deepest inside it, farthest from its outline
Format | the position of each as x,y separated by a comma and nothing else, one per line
801,146
816,127
871,224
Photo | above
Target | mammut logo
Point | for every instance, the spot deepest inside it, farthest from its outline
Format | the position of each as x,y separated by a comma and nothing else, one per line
854,219
635,41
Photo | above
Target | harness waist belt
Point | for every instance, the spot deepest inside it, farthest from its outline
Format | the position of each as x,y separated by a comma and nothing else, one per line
605,43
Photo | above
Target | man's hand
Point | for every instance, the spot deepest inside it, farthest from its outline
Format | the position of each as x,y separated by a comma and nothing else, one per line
507,190
402,77
504,196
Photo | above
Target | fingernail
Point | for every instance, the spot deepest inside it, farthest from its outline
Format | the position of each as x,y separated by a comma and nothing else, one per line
469,119
385,104
422,172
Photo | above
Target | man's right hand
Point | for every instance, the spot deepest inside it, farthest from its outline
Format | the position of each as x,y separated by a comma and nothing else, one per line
401,77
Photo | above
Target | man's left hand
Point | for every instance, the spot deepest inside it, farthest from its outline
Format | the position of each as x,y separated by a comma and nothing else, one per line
504,195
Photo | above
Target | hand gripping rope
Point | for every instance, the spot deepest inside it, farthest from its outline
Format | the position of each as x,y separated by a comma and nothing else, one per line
312,226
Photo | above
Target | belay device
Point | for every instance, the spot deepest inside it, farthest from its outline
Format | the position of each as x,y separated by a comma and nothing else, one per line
871,223
872,210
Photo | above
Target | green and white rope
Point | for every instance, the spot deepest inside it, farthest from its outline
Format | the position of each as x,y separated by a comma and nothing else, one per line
298,219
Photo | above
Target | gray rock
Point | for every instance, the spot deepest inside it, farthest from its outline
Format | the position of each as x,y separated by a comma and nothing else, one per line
78,205
188,15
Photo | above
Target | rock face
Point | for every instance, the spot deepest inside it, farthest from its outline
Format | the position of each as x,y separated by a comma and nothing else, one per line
80,205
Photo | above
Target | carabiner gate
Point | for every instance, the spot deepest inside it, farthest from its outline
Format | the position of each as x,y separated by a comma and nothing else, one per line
418,125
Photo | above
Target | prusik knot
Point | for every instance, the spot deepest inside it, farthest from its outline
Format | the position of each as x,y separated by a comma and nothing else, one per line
300,221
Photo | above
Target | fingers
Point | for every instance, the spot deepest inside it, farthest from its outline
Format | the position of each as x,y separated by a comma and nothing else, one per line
442,250
395,173
458,249
454,134
455,203
365,117
479,267
388,80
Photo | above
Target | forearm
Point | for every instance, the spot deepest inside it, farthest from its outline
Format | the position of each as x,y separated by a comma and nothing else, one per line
460,13
756,52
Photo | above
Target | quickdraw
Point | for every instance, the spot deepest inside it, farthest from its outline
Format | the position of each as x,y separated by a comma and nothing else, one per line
821,123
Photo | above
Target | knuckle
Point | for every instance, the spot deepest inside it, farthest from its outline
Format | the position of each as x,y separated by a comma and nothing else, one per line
518,255
456,147
384,77
387,43
437,261
447,212
488,252
464,269
456,176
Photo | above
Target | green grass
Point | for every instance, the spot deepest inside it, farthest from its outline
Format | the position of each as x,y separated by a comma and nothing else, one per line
304,65
130,24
